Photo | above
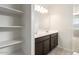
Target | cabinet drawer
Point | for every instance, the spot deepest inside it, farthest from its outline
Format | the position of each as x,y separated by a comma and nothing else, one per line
40,39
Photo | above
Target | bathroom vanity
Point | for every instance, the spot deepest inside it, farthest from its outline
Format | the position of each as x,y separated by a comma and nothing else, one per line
45,43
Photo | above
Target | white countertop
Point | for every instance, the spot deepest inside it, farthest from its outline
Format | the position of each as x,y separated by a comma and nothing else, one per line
43,33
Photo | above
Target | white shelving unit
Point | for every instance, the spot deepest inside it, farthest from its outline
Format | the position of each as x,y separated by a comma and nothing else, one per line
15,29
13,20
10,10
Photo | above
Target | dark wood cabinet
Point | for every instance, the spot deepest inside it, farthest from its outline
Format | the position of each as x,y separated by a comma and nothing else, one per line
45,44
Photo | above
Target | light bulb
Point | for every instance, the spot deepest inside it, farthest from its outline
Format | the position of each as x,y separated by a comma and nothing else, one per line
40,9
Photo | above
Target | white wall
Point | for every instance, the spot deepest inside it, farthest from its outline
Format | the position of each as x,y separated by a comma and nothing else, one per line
27,29
61,19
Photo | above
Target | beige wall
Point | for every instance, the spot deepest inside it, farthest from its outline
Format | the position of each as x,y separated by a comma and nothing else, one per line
61,19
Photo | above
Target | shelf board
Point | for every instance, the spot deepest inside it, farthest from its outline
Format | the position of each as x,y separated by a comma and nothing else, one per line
10,26
10,10
75,14
9,43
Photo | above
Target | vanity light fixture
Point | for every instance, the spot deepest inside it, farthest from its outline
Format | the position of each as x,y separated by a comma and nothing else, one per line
40,9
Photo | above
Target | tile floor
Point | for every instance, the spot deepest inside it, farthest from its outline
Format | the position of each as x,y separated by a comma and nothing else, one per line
60,51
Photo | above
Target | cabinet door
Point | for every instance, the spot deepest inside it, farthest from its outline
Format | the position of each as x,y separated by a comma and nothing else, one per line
46,46
56,41
52,41
39,48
